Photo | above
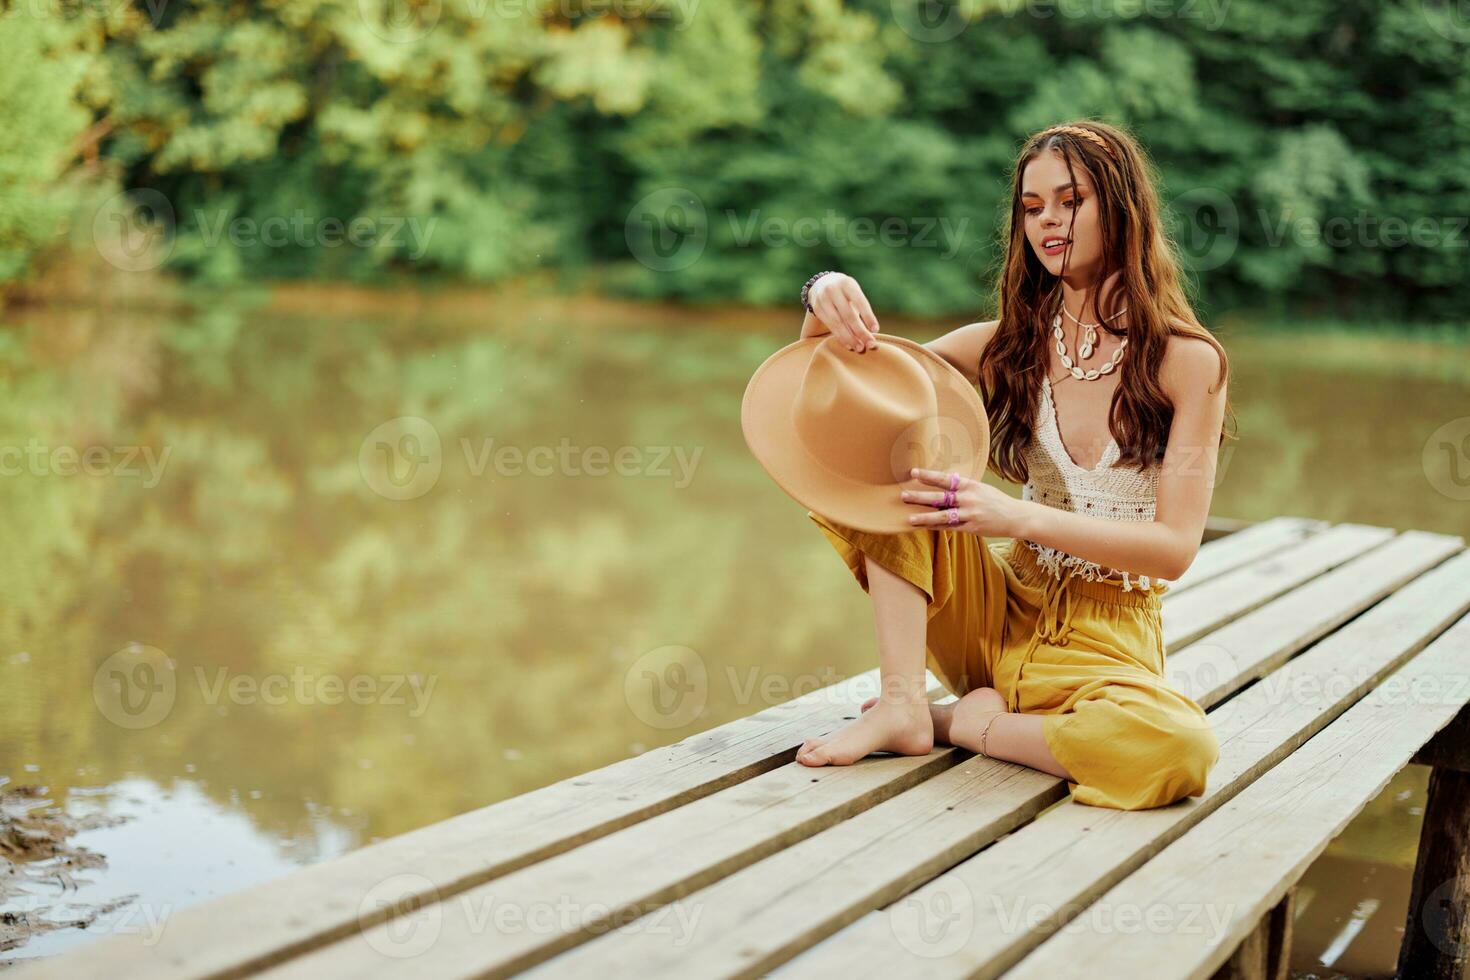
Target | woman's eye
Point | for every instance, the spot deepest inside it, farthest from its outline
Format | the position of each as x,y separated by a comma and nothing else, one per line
1033,210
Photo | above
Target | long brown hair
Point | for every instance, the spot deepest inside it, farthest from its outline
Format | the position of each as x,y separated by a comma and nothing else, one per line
1135,244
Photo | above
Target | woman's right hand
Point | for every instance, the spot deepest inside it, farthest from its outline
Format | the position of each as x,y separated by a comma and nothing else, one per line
838,302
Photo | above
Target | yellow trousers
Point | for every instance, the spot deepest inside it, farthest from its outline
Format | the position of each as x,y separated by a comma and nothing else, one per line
1087,655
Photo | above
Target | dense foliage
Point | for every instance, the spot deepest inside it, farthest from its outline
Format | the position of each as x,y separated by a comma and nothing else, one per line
1316,153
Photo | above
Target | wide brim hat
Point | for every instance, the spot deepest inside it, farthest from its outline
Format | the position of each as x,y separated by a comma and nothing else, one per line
840,430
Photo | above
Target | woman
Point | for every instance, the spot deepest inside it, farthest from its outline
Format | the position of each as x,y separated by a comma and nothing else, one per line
1106,400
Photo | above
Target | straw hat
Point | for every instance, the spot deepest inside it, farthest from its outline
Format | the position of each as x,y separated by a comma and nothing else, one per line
840,430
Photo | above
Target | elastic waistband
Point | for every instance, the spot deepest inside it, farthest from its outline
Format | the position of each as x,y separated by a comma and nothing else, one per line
1024,561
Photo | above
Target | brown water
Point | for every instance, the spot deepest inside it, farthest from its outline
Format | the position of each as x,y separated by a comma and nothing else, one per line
370,625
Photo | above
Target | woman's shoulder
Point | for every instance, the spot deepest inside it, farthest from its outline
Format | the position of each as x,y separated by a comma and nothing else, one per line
1189,364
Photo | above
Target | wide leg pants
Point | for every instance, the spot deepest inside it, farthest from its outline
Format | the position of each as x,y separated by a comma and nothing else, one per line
1088,655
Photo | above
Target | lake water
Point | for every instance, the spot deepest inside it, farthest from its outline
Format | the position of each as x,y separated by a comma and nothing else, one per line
371,565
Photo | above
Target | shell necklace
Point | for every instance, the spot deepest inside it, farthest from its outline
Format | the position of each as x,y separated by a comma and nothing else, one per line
1084,349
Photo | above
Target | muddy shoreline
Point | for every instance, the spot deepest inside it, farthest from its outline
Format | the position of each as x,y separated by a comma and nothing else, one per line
40,865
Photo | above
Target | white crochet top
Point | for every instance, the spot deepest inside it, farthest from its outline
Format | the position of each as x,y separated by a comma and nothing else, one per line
1122,494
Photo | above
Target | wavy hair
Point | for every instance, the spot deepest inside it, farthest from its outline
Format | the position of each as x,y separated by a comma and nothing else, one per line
1136,245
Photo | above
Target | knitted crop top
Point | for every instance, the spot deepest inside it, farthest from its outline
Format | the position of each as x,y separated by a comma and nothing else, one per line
1121,494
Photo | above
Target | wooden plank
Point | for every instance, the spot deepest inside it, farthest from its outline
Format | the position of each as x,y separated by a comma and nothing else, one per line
1236,593
237,934
1219,527
1225,660
754,919
251,929
566,899
240,933
1223,554
1008,898
1450,749
1240,860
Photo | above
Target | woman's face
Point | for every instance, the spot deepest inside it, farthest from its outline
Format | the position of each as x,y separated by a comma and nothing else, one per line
1061,217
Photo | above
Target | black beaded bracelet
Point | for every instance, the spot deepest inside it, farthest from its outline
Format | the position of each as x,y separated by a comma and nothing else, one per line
807,289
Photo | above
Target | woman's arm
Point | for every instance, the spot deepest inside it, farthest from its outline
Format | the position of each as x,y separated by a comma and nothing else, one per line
1164,547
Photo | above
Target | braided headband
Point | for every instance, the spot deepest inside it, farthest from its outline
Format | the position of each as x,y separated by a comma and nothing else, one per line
1086,134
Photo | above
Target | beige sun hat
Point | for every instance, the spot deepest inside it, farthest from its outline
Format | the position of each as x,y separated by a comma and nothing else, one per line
840,431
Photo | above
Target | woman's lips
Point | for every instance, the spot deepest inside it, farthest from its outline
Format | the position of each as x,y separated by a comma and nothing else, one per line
1056,248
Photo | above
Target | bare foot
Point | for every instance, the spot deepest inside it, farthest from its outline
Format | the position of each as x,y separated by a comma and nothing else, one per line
939,717
972,710
904,728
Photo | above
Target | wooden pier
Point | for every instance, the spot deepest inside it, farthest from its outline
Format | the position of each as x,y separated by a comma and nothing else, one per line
1328,657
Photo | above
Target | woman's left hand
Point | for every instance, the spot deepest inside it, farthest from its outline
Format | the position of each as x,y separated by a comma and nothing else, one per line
983,509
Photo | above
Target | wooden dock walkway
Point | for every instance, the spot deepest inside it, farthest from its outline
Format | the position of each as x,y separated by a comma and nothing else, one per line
1328,657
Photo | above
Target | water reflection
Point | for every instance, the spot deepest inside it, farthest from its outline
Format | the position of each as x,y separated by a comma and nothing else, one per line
398,568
